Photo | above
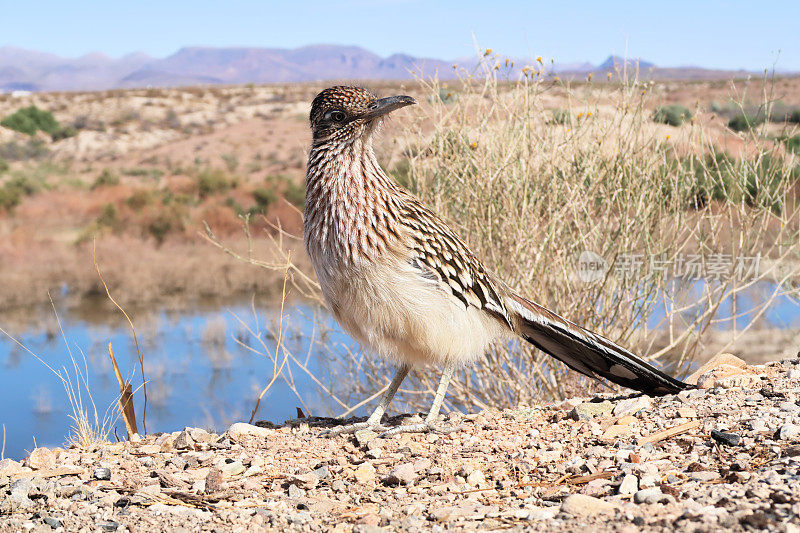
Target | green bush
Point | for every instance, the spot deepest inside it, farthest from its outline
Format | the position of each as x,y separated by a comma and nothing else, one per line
264,197
33,149
794,116
3,165
745,121
674,115
139,199
164,223
107,178
211,181
64,133
295,194
108,216
31,119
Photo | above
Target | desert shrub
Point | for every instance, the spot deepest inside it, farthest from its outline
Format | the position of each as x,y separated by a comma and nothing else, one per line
14,189
31,119
674,114
152,173
107,178
745,121
212,181
3,165
231,162
64,133
794,116
295,193
264,196
33,149
108,217
165,222
139,199
562,116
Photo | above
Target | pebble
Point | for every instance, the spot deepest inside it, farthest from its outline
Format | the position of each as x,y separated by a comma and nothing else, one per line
240,429
632,406
582,505
728,439
9,467
232,469
789,432
617,430
629,485
183,441
589,410
363,436
102,473
41,459
52,522
649,495
296,492
365,473
322,472
403,474
304,481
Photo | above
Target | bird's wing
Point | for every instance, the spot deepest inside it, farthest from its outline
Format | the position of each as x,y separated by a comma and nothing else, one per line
587,352
440,255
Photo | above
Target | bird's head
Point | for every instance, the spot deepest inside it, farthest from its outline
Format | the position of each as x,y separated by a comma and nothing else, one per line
344,113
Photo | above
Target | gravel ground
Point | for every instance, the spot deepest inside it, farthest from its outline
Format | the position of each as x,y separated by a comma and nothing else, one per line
725,457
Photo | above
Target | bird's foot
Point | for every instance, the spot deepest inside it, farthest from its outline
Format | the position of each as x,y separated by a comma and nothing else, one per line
424,427
351,428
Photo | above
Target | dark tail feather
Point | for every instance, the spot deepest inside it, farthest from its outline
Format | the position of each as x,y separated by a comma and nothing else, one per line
587,352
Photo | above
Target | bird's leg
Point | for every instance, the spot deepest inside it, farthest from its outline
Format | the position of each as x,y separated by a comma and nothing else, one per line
433,414
374,420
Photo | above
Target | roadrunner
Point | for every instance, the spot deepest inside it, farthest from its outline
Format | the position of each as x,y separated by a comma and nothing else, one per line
401,282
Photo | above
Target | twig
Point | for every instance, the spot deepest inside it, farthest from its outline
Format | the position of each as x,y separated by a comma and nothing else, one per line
133,331
668,433
278,343
125,397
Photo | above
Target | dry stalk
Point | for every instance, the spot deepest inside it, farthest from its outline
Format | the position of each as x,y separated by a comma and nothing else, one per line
125,397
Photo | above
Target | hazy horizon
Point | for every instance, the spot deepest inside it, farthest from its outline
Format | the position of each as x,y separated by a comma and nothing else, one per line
716,35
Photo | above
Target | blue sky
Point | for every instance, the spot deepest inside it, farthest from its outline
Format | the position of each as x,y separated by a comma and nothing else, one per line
734,34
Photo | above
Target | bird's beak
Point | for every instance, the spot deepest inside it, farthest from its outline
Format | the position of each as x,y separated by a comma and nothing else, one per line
382,106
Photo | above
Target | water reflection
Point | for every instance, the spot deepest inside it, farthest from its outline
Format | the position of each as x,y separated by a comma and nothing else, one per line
197,372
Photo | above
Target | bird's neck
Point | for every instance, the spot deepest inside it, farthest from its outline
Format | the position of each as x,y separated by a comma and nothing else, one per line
348,196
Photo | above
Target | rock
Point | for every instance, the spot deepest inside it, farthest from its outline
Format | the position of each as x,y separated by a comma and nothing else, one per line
109,525
296,492
541,513
304,481
41,459
793,373
300,517
582,505
365,473
213,480
632,406
19,491
9,467
728,439
650,495
615,431
183,441
52,522
364,436
240,429
626,420
102,473
789,432
375,453
201,435
789,407
704,476
476,478
629,485
589,410
234,468
403,474
687,412
322,472
716,361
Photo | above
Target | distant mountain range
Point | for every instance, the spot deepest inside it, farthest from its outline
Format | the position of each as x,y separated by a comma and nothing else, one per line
30,70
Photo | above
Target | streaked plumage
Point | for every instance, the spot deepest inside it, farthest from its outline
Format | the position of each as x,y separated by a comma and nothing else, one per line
403,283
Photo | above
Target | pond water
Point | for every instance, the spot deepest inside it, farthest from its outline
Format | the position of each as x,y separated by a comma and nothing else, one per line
197,372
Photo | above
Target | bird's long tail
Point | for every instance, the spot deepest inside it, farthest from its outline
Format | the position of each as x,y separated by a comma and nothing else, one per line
587,352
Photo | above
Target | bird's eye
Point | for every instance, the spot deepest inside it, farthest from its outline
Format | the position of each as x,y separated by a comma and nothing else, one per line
337,116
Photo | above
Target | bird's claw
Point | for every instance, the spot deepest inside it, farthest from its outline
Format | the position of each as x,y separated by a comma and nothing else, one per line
424,427
351,428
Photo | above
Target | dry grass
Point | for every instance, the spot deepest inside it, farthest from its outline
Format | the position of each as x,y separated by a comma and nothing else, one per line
531,196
